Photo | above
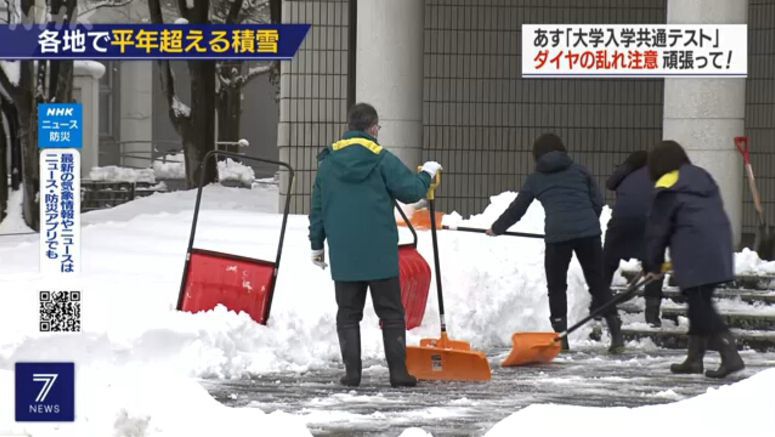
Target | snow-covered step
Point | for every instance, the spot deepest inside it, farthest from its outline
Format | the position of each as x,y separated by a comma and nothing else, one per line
744,294
745,280
735,314
757,320
675,338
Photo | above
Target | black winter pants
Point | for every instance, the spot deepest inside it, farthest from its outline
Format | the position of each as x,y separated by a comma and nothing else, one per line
704,320
385,296
556,261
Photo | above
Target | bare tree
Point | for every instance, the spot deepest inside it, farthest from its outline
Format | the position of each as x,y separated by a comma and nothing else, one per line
233,76
3,166
196,123
39,82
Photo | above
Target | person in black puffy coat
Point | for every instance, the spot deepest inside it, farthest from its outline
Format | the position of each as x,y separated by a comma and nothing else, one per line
572,204
624,238
688,217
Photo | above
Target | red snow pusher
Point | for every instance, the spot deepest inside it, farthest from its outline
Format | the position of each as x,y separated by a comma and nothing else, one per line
415,277
239,283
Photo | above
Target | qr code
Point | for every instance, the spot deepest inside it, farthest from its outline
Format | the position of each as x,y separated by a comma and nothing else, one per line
60,311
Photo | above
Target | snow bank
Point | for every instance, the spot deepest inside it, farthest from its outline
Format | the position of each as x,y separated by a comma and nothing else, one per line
113,173
740,409
135,346
13,222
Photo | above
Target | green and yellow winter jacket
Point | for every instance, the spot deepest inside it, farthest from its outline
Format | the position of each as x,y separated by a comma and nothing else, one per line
352,206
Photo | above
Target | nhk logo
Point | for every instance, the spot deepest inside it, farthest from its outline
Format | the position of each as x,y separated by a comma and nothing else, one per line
45,392
59,112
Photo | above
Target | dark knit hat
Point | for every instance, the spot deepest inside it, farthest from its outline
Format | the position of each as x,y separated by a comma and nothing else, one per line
547,143
637,159
666,157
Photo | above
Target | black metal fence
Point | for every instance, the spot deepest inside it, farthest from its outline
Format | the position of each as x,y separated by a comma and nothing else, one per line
313,101
481,117
760,107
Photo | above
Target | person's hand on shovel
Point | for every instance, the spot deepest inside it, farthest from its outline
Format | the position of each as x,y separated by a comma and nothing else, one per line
653,276
490,232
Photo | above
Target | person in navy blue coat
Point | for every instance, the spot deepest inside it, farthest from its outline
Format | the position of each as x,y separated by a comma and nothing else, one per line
572,204
624,238
688,217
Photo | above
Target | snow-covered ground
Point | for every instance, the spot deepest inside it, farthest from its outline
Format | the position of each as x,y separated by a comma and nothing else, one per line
138,360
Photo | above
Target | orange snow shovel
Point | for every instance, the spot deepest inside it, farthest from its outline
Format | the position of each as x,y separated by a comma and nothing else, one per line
442,358
542,347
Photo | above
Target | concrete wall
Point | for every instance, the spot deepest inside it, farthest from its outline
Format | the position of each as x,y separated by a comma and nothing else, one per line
704,115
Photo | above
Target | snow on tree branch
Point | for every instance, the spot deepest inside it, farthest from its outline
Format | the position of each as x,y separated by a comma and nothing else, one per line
258,71
12,70
94,5
256,3
181,109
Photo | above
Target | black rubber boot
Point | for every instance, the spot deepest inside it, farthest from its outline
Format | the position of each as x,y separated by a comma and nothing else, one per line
694,355
730,359
615,330
394,339
350,346
652,311
561,325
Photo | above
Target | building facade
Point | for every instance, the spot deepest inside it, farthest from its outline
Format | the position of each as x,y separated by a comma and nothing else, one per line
445,76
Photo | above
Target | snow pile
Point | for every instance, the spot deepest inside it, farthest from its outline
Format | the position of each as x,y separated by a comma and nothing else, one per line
531,222
113,173
171,166
231,170
13,222
740,409
492,286
747,262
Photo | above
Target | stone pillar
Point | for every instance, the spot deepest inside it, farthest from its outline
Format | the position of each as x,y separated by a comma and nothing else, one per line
136,112
86,90
705,115
389,72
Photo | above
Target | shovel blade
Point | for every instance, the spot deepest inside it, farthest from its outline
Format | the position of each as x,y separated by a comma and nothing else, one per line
532,348
447,360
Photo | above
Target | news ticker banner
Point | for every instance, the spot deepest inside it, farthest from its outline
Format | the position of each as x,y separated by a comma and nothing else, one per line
634,50
153,41
60,139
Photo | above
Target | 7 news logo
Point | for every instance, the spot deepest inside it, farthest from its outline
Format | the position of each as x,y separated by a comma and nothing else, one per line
45,392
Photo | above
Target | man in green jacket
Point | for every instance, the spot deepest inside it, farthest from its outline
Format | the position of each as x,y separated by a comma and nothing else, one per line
352,208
